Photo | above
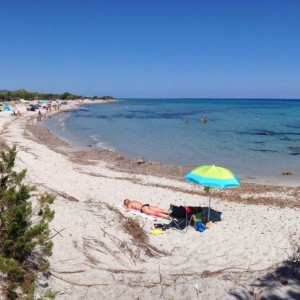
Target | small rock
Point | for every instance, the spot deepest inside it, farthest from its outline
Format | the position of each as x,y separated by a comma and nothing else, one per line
284,282
37,296
43,283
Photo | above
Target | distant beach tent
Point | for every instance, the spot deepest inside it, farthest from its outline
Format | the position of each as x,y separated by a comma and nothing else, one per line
6,108
36,105
45,103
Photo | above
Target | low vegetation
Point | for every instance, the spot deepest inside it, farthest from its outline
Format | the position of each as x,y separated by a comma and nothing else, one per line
24,230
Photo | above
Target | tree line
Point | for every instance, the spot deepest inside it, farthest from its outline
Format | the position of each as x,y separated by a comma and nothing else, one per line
23,94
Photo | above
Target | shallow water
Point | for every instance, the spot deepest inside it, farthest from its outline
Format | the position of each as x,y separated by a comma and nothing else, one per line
251,137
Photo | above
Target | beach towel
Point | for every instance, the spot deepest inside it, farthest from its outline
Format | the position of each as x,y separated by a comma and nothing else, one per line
156,231
141,214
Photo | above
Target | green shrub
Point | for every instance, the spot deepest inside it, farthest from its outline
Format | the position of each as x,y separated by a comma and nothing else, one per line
22,229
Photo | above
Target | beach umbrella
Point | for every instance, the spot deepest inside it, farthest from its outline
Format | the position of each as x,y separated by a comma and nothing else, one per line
212,176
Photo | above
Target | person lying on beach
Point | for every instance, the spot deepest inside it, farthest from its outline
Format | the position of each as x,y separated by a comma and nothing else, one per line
147,209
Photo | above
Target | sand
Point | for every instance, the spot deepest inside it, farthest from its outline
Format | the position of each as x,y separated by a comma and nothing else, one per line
94,257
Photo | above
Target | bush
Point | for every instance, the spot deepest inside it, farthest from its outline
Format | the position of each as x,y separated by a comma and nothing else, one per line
23,230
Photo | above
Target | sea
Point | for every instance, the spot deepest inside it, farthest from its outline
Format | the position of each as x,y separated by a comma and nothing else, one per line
251,137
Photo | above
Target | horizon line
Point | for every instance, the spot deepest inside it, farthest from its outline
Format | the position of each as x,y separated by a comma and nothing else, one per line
207,98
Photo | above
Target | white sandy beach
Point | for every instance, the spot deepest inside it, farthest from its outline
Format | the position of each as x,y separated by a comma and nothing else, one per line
94,258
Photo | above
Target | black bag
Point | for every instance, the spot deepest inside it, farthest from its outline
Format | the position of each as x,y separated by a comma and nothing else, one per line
177,211
181,212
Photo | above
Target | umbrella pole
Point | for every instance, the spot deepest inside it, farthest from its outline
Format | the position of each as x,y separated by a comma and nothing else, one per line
209,204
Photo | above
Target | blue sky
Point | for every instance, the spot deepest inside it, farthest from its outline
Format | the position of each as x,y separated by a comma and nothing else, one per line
152,48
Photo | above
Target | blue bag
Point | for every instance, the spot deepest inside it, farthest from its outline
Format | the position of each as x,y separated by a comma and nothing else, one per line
199,226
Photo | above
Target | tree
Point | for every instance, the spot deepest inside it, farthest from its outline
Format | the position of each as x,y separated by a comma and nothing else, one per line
65,95
23,229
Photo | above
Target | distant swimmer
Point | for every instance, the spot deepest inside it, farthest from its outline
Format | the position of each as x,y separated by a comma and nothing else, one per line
204,120
187,121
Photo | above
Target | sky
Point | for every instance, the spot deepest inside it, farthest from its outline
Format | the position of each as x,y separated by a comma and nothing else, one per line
152,48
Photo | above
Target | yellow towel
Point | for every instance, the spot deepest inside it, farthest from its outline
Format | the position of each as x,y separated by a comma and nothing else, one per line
156,231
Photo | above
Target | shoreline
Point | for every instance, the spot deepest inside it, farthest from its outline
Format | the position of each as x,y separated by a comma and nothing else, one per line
95,257
138,166
163,169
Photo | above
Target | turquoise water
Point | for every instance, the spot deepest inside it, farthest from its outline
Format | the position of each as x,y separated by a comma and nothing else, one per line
249,136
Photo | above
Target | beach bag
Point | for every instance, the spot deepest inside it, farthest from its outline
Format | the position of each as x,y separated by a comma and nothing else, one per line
199,226
195,209
203,219
178,211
